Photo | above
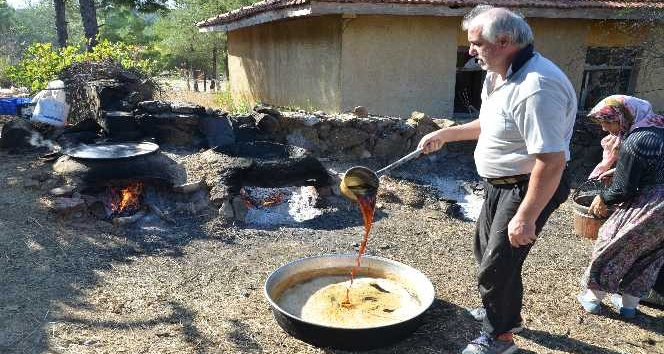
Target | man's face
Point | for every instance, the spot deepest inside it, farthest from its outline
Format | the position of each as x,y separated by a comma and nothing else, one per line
488,54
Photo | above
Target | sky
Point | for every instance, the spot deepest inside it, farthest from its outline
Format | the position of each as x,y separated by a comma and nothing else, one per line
18,4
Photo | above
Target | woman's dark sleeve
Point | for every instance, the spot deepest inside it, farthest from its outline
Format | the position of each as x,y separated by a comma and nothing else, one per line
629,170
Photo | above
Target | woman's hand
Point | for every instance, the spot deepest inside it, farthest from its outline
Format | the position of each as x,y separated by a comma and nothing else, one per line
598,208
607,176
432,142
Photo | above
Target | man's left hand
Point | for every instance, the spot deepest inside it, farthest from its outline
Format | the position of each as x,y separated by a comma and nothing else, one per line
521,232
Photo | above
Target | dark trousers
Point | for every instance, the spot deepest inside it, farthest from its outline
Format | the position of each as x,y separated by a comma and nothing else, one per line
499,277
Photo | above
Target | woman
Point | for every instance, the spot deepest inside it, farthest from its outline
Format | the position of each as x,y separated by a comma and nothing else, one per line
630,247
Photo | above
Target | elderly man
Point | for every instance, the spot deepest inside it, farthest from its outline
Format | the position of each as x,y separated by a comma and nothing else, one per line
523,134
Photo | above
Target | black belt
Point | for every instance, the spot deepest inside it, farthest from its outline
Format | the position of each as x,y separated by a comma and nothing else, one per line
507,180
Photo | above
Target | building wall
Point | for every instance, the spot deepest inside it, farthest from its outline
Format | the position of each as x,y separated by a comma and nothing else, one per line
650,79
394,65
287,63
563,42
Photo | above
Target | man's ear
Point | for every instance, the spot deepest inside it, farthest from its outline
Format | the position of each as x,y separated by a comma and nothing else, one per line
503,40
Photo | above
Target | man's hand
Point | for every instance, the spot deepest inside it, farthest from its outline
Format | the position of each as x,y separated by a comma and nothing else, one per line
521,232
432,142
598,208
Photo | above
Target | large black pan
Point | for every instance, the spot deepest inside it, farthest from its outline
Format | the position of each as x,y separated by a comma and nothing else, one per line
347,338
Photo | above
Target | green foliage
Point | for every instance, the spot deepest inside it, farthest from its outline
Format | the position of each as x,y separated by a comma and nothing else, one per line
122,24
4,74
42,62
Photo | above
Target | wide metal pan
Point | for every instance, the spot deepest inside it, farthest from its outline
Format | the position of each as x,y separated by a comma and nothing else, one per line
306,269
109,151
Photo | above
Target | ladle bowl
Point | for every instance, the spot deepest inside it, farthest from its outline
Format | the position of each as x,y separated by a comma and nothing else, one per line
360,181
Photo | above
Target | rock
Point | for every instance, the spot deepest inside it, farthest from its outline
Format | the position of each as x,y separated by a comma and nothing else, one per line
391,146
240,208
190,187
361,112
17,135
186,108
62,191
218,130
68,206
320,114
444,122
154,106
31,184
41,176
310,120
172,128
267,110
121,125
226,210
304,138
417,116
266,123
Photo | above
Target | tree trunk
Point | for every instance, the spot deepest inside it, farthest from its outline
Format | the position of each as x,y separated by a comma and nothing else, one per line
215,75
60,22
90,26
204,81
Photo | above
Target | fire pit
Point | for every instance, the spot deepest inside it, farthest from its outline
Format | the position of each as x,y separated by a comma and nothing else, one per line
388,300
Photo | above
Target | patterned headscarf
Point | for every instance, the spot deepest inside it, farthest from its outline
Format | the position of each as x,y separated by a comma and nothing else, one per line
631,113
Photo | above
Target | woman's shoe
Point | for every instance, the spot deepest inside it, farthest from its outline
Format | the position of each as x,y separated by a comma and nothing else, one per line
590,306
626,313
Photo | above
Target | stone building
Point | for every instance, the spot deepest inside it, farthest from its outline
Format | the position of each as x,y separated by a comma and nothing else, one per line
398,56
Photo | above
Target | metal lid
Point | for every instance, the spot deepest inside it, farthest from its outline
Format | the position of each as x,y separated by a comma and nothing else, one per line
112,151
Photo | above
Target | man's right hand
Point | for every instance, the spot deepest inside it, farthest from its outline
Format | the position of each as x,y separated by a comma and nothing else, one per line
432,142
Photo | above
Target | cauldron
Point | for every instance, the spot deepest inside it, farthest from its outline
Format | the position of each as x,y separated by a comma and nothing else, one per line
311,269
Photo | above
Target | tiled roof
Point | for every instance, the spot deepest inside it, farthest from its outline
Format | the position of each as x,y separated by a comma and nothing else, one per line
270,5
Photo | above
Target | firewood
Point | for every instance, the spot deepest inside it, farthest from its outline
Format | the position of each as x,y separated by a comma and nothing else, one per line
155,209
126,220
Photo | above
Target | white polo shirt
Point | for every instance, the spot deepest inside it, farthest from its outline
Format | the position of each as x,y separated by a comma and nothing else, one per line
532,112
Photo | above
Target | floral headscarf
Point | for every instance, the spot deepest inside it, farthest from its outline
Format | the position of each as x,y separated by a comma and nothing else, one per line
632,113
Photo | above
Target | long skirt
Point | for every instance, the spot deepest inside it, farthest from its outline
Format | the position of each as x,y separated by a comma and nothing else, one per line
629,251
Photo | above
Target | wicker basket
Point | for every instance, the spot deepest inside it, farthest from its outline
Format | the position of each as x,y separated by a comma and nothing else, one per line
586,225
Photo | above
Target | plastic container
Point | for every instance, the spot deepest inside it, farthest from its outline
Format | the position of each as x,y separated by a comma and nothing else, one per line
51,105
12,105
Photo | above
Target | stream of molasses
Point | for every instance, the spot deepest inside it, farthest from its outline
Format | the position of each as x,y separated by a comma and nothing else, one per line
367,205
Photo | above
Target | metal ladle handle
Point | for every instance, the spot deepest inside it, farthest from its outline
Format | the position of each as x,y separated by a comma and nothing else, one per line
400,162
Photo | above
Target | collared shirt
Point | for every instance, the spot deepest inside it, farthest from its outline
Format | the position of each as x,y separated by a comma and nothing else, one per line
533,111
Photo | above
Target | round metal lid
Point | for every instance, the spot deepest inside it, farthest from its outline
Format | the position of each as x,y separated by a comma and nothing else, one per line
112,151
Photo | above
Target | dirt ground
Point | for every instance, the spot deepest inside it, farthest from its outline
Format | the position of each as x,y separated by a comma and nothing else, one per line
85,286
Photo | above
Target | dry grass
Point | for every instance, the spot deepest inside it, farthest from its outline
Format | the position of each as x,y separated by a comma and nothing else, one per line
83,286
220,100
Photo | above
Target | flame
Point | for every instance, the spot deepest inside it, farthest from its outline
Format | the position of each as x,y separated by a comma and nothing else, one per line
127,197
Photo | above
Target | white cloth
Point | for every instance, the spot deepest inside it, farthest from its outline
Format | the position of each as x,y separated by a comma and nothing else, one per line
532,112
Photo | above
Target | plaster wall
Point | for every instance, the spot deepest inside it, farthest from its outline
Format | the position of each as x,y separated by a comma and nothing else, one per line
394,65
287,63
562,41
650,79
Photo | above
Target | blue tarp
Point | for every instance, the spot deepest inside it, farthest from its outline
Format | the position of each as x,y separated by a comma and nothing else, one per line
11,105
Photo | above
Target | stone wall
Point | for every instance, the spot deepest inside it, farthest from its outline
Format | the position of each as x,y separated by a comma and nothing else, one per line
341,137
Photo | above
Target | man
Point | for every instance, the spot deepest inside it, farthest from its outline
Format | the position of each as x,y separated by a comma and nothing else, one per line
523,132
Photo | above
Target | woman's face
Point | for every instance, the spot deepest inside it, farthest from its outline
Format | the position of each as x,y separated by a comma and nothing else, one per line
611,127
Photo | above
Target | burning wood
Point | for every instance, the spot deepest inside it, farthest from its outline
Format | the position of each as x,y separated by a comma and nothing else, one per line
127,198
274,198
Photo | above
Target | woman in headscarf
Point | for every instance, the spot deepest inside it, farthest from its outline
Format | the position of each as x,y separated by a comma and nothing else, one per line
629,251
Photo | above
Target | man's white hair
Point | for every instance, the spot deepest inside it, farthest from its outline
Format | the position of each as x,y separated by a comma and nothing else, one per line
496,22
